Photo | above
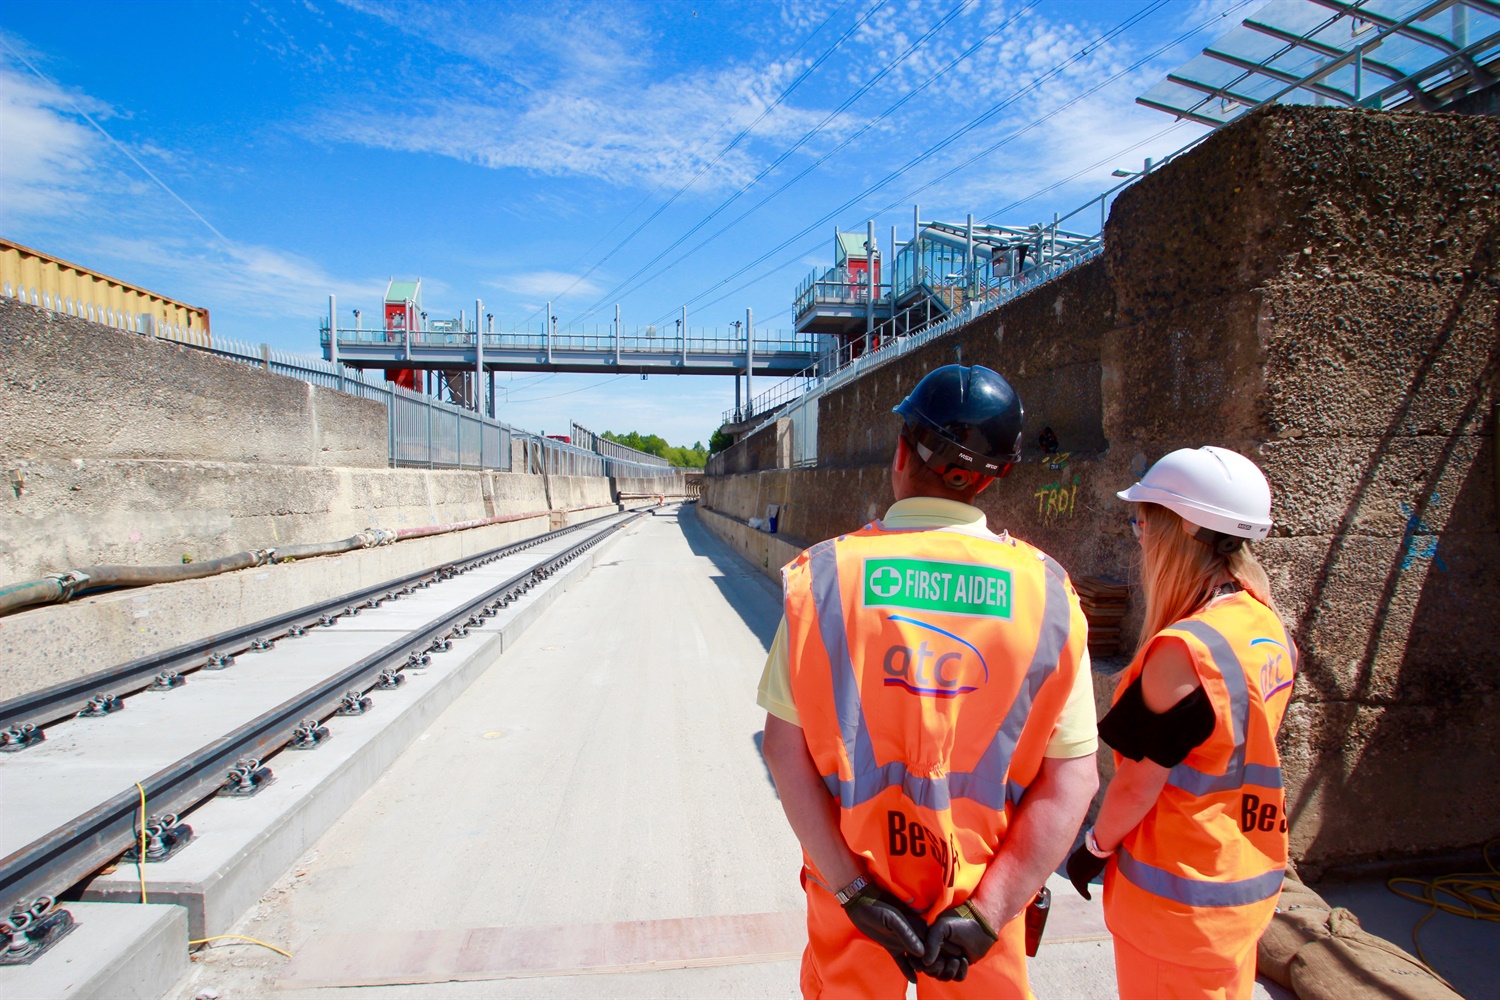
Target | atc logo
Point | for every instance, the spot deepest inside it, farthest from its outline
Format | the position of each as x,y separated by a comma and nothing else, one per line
1275,673
942,667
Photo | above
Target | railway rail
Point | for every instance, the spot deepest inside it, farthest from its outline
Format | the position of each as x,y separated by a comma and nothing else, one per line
75,842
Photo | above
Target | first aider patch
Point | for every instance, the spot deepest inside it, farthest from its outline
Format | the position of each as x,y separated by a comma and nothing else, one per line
946,587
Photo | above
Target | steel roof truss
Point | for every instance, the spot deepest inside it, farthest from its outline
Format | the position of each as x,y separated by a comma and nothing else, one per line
1408,29
1221,92
1279,75
1313,45
1190,115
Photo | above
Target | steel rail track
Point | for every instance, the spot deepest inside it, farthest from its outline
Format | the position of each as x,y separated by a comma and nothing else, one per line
62,701
60,859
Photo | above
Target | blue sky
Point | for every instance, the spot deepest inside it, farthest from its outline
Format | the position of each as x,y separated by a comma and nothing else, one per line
505,152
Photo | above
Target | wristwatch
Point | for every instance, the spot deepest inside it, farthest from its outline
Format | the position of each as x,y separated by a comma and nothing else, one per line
851,890
1092,843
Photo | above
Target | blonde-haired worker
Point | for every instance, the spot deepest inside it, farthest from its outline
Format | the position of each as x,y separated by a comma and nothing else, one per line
1191,836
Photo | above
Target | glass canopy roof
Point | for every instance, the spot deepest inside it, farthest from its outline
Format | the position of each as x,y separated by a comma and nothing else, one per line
1414,54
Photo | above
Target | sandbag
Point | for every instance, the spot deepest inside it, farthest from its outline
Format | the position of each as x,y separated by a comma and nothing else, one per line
1346,962
1301,916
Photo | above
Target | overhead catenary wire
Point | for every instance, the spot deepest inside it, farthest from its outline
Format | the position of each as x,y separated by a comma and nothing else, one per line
821,221
1111,158
661,183
852,138
596,385
991,149
787,153
984,116
765,112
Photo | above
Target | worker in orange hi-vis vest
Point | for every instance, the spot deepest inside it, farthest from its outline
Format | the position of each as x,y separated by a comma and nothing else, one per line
931,726
1192,834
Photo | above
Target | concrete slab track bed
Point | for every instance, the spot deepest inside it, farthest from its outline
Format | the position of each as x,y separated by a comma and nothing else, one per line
579,810
592,819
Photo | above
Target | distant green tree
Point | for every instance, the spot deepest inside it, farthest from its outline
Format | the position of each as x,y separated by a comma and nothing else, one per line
718,442
678,457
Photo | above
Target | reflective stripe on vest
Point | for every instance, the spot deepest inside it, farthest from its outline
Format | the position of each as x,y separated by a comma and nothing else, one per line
1197,892
1238,774
987,784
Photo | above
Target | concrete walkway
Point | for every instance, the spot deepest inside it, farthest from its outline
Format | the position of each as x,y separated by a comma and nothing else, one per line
550,833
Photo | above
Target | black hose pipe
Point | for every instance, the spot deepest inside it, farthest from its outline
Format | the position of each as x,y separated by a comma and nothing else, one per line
60,587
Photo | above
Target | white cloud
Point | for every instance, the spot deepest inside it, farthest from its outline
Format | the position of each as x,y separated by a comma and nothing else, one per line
49,150
541,284
646,134
573,91
60,180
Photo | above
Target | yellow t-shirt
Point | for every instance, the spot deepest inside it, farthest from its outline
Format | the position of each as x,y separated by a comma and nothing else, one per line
1076,732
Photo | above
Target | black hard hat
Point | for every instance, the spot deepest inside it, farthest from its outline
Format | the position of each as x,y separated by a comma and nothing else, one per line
969,418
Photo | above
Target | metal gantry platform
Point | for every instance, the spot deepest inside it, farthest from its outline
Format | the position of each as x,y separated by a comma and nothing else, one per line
644,352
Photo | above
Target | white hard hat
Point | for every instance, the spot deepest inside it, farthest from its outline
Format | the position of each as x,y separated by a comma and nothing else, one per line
1214,488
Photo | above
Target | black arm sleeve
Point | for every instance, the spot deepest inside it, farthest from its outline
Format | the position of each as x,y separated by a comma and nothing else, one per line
1136,732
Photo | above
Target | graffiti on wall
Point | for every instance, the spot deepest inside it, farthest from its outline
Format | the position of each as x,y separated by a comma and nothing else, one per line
1419,540
1057,500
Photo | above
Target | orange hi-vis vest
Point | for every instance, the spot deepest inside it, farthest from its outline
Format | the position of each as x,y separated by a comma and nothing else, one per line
1198,878
929,668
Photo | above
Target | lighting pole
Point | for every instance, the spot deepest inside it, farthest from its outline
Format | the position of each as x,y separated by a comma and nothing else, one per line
749,362
478,356
737,407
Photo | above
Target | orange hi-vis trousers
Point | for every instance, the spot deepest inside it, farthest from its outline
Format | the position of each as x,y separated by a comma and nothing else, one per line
840,962
1143,977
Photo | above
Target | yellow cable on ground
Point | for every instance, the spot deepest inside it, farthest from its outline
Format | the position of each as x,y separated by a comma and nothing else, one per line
140,861
1478,895
241,937
140,866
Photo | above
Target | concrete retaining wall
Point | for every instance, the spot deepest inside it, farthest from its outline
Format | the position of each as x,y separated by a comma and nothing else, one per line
119,448
152,513
72,387
1320,290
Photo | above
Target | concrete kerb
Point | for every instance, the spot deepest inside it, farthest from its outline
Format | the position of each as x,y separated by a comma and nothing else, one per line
766,552
114,953
242,847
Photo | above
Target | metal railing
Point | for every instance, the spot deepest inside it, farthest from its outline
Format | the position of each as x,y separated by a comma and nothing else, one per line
547,456
837,286
888,343
120,319
423,432
647,340
585,438
903,332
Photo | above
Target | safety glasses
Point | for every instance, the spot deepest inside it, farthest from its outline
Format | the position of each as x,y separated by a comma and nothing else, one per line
1135,528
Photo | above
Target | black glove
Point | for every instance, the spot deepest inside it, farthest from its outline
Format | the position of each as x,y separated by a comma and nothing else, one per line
959,937
1083,866
890,923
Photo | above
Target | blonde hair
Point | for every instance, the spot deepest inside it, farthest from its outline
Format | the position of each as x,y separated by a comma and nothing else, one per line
1178,570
